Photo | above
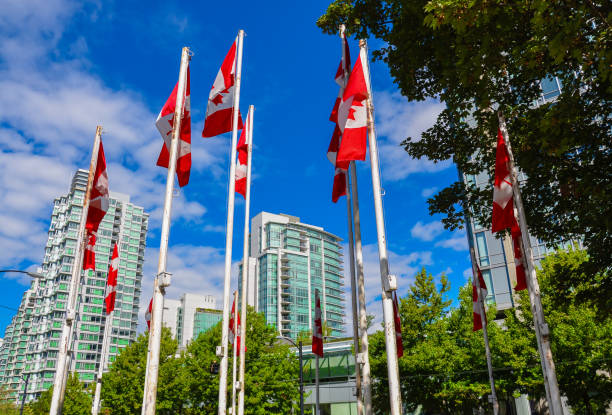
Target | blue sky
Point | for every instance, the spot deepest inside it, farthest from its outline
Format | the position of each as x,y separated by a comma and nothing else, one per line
66,66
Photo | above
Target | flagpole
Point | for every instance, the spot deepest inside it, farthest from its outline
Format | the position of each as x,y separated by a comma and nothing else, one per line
389,283
162,280
485,333
541,328
317,391
363,358
245,261
103,359
235,352
57,399
228,236
349,216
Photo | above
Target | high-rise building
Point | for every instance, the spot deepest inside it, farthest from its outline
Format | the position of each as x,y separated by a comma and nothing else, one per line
191,315
32,339
495,255
288,261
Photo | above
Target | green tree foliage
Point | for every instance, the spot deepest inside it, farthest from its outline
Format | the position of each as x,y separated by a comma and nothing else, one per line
444,367
122,386
7,404
477,56
186,384
77,400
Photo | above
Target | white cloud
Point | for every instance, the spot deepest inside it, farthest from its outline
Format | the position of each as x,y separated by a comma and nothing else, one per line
458,243
397,119
428,191
467,273
427,231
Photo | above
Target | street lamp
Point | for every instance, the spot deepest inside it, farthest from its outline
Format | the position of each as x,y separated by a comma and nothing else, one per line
30,273
299,347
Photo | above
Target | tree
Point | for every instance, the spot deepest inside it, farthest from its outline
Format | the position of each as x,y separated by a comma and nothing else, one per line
271,376
77,399
7,404
186,384
477,56
122,385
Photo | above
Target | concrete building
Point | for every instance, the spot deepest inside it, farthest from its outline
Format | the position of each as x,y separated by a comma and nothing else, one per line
32,338
288,261
191,315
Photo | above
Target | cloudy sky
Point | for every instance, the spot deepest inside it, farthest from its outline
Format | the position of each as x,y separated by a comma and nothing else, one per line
66,66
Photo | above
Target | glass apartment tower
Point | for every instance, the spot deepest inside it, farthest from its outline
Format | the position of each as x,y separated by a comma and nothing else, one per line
288,261
32,339
495,255
191,315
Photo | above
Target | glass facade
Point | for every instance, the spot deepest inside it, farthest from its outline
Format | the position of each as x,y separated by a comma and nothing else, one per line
32,338
204,319
294,260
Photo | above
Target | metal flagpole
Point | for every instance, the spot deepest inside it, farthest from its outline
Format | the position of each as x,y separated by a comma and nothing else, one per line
389,282
235,352
61,371
317,391
108,326
162,280
349,216
245,261
222,353
363,358
485,333
541,328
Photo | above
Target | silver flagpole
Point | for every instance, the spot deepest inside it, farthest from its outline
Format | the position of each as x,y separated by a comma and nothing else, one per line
485,333
533,287
61,371
162,280
235,352
349,216
223,352
389,283
363,358
245,262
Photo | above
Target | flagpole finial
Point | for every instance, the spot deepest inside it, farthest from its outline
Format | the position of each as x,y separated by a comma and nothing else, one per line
341,29
362,43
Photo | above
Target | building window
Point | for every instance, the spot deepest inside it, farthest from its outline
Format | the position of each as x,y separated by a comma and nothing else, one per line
481,245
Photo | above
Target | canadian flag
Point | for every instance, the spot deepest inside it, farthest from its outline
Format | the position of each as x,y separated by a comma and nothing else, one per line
521,278
339,186
352,117
164,123
111,282
503,206
504,214
479,288
317,332
221,98
232,334
398,327
98,205
148,314
242,161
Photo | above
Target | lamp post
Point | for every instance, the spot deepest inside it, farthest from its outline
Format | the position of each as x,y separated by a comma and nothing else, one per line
30,273
299,347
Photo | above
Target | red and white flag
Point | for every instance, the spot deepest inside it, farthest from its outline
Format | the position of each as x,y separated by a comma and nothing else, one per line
232,334
164,123
504,215
111,282
398,327
352,116
148,314
219,112
519,261
317,330
503,205
339,186
242,161
98,205
479,288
